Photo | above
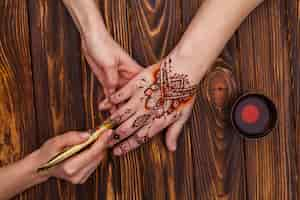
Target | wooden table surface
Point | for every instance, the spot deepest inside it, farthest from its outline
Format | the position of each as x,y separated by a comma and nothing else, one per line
47,88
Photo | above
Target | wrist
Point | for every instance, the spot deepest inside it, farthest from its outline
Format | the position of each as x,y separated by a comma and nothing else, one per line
86,15
21,175
29,165
189,61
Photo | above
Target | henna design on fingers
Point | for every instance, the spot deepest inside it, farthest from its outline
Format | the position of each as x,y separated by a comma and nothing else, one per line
116,136
141,121
119,118
124,147
141,140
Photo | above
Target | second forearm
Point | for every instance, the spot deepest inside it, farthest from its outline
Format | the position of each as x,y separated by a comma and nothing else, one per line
19,176
211,28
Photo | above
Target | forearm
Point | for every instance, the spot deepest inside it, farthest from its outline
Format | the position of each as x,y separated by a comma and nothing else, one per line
86,15
211,28
19,176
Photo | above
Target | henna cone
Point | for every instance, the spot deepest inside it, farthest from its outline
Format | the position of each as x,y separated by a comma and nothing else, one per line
69,152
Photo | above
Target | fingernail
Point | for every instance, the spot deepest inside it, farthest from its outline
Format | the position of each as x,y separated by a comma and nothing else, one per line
85,135
172,147
117,152
100,107
103,103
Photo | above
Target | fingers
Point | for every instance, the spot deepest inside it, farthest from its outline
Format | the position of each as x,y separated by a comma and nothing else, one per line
129,127
124,113
118,97
173,133
73,165
85,173
123,81
105,105
129,65
68,139
145,133
133,142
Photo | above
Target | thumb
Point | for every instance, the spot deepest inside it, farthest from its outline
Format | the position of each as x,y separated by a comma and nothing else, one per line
102,142
173,133
60,142
129,65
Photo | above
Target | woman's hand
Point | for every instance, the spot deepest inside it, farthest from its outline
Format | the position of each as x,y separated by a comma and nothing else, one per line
161,96
23,173
112,66
109,62
78,168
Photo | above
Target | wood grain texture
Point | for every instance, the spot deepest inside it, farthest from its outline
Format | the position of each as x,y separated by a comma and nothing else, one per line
57,81
293,25
265,68
157,28
123,176
217,151
145,172
17,113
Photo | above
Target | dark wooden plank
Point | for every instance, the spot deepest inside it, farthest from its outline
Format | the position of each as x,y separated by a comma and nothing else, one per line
184,168
57,76
17,113
157,29
110,181
264,67
147,30
217,151
293,22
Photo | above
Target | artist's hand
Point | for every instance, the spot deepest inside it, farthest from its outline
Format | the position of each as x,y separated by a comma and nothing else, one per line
78,168
109,62
112,66
161,96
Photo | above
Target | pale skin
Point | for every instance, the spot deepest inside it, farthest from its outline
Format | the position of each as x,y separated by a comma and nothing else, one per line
110,63
198,48
145,112
23,174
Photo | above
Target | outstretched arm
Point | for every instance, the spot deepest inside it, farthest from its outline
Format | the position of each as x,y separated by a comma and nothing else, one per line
23,174
211,28
163,95
112,66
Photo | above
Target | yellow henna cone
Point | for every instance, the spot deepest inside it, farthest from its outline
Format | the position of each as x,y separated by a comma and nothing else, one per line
69,152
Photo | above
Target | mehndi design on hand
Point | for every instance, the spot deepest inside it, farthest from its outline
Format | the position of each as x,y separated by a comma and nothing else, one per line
166,94
157,98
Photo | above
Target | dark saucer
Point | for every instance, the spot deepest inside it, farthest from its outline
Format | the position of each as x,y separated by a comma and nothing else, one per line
253,115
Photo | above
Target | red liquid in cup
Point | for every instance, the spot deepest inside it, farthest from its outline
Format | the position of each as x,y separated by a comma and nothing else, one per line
254,115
